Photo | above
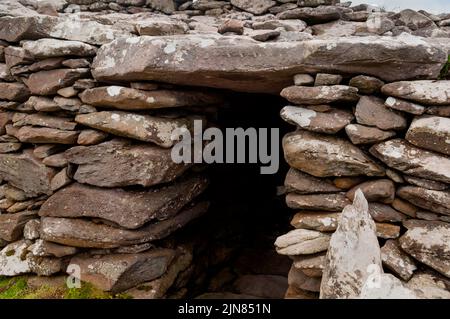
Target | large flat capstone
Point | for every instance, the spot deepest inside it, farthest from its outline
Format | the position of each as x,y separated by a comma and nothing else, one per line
242,64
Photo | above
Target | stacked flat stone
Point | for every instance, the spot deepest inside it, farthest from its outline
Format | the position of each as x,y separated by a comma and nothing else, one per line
86,170
88,109
389,140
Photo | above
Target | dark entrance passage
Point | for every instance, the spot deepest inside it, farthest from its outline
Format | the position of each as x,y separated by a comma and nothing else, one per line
246,215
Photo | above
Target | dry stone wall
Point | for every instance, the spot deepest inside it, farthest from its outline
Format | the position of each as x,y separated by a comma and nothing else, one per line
91,92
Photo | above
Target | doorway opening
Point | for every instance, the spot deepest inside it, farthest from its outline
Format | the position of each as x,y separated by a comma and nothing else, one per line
247,213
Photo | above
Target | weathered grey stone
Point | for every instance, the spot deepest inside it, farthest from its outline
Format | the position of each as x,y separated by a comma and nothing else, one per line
21,206
428,286
397,261
312,264
205,5
263,67
323,79
360,134
6,203
83,233
414,161
161,26
426,183
316,3
42,151
56,160
405,207
46,64
76,63
67,92
26,172
5,119
49,82
371,111
316,15
353,248
68,104
386,287
39,119
380,23
129,209
17,56
145,128
431,133
381,190
264,35
301,183
5,75
320,94
165,6
387,231
366,84
31,229
60,180
324,156
12,261
425,92
132,99
120,163
42,248
430,216
412,19
44,266
303,79
9,147
44,104
383,213
232,25
324,222
328,202
91,137
288,25
330,122
47,48
13,193
338,28
11,225
429,242
157,289
14,29
145,86
435,201
14,91
404,106
298,279
119,272
254,6
29,134
302,242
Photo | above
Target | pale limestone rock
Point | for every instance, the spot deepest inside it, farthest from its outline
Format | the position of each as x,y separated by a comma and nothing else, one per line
353,250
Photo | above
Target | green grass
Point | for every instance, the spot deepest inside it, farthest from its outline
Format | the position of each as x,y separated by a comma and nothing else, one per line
445,73
12,288
17,288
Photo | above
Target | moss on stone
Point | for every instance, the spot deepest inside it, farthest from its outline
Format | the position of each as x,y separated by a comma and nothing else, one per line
17,288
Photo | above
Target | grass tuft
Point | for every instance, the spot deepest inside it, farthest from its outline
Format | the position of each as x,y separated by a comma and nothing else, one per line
17,288
445,72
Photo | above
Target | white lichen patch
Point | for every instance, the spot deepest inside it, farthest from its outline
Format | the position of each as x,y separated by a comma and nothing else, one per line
12,259
114,90
390,101
299,116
